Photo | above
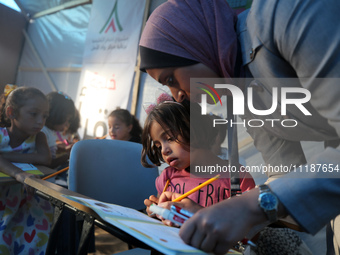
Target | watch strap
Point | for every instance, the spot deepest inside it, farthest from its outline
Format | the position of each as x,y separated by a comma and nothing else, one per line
271,214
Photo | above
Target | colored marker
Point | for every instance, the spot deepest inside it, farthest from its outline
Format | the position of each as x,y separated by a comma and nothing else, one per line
185,213
174,217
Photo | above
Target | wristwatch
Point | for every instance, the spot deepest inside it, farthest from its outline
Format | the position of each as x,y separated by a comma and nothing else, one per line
268,202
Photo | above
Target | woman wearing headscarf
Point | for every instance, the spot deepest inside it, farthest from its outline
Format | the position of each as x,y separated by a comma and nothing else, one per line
273,41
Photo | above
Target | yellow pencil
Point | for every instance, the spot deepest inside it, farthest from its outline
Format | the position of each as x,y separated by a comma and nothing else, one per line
166,185
56,173
197,188
103,137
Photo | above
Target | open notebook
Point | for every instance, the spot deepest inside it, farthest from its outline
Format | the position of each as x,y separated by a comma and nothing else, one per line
29,168
148,230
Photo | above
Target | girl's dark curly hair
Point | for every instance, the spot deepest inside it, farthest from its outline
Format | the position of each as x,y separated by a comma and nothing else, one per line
74,123
174,118
62,108
17,99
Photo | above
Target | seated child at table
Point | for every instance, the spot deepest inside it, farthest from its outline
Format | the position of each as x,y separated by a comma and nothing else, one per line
184,143
70,135
61,111
124,126
25,218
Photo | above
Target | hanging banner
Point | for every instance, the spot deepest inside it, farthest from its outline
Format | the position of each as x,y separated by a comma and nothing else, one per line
108,64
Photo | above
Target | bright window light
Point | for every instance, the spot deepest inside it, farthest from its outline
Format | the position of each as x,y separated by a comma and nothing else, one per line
10,4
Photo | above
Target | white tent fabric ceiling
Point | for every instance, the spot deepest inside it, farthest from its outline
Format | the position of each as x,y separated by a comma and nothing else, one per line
51,58
37,8
52,55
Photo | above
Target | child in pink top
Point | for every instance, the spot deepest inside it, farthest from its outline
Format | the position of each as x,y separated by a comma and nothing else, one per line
185,143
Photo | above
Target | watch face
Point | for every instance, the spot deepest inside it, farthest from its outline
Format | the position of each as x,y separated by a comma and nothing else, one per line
268,201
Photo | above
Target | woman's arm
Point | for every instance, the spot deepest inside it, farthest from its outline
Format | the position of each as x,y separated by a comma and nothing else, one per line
219,227
42,156
312,202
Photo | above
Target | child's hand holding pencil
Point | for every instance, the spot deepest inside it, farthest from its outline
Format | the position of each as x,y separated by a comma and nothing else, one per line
170,197
148,202
154,200
166,200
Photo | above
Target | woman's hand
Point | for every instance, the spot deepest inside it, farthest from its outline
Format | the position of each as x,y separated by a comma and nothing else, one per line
219,227
148,202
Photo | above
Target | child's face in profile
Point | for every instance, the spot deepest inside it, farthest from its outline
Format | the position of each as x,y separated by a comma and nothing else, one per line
63,126
173,153
118,130
178,80
32,116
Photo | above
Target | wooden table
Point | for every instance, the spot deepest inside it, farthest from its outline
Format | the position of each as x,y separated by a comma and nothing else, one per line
54,193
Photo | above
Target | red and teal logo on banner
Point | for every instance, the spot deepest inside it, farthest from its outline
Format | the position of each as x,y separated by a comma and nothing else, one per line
112,21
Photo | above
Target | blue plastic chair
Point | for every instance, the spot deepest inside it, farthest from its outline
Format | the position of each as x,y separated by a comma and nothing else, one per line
111,171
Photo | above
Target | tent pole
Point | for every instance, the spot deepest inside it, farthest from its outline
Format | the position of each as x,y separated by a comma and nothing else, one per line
61,7
26,15
53,86
137,71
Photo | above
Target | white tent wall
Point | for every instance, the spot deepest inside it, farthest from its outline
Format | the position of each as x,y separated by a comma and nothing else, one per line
11,25
147,85
58,40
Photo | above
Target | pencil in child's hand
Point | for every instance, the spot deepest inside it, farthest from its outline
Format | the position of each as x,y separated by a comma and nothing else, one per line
196,188
103,137
61,138
166,185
